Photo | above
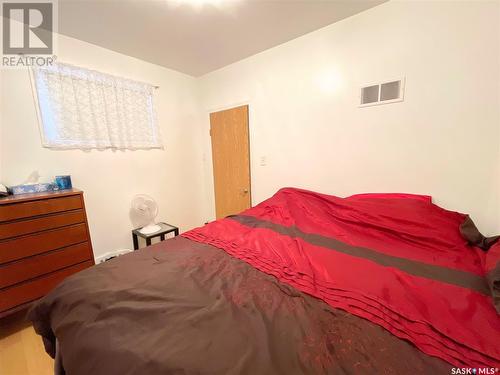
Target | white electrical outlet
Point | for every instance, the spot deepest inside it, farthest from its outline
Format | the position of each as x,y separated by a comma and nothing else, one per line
263,161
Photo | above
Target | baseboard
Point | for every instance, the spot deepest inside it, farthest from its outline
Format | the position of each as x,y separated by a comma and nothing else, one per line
110,254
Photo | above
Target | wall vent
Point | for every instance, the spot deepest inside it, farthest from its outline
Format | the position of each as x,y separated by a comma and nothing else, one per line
382,93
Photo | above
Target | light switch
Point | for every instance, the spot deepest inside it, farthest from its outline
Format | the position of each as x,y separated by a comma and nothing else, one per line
263,161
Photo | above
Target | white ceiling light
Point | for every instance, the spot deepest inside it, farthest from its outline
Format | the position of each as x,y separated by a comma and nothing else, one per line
197,4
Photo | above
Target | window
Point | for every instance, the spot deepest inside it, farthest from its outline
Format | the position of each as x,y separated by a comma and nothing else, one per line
85,109
389,92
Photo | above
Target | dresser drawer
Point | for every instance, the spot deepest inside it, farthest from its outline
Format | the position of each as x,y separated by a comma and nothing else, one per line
22,247
36,288
39,207
29,268
19,228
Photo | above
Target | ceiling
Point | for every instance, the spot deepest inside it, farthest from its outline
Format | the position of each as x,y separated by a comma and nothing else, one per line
198,36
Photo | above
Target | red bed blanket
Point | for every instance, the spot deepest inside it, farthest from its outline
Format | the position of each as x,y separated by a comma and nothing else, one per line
396,260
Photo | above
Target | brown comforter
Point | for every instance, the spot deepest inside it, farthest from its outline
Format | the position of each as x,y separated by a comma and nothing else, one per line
181,307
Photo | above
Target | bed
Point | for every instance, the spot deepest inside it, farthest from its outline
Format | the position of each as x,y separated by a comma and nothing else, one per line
303,283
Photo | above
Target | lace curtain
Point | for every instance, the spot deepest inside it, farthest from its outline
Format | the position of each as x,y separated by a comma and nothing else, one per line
85,109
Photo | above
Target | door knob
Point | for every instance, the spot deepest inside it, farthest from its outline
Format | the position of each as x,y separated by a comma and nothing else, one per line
245,191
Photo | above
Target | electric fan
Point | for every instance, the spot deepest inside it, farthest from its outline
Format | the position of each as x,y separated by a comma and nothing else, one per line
143,212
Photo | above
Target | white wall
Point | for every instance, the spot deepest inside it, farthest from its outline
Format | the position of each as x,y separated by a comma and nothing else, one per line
442,140
111,178
1,127
498,106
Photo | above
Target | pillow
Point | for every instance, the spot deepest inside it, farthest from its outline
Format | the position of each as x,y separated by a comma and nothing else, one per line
425,198
492,268
469,231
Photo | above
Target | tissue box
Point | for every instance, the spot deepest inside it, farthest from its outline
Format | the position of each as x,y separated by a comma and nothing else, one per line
31,188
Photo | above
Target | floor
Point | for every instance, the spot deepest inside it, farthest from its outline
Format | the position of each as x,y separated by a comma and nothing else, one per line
21,349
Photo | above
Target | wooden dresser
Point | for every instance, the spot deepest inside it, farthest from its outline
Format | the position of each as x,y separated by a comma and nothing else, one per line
44,237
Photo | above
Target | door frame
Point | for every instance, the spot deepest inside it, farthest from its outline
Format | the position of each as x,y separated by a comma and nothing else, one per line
209,166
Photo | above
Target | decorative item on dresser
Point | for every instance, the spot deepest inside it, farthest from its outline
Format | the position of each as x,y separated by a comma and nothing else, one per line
44,237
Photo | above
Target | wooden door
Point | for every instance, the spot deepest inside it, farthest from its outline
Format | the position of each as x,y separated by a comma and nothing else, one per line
231,160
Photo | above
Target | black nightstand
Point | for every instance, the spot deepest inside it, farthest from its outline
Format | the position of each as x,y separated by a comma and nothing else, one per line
165,229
